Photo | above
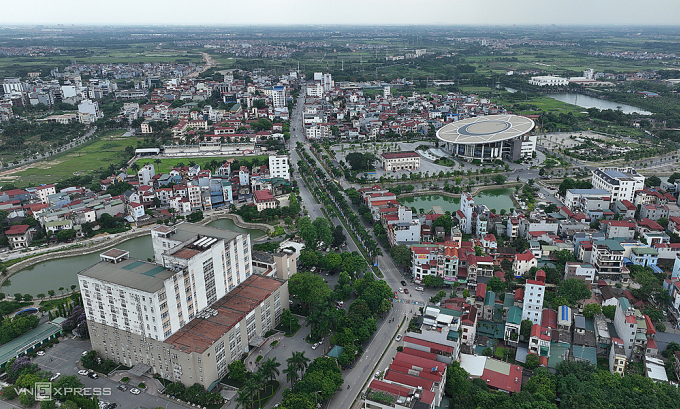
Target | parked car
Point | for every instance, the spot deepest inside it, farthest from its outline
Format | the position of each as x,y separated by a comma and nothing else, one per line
315,346
40,353
93,375
401,290
135,391
419,288
403,283
406,290
55,376
84,353
82,372
122,388
398,338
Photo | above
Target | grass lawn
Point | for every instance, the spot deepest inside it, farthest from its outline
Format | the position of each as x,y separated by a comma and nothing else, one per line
475,89
167,164
83,160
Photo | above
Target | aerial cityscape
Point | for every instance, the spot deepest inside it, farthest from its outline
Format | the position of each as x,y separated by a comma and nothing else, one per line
297,216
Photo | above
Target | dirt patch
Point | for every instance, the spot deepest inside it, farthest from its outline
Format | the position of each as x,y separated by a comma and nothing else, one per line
48,164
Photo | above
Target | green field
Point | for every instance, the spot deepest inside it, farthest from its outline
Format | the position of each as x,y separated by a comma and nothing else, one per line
81,161
546,104
166,165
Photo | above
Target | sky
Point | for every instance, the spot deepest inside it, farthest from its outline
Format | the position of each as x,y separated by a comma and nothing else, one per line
345,12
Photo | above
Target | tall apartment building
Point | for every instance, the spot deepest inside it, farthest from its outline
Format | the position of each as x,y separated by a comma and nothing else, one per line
200,297
279,167
195,265
625,323
534,291
621,183
279,96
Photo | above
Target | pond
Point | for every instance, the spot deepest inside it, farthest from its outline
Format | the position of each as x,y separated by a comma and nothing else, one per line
585,101
493,198
62,272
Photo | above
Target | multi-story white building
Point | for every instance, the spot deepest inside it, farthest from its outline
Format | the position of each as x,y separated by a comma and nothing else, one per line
467,205
625,323
195,266
145,174
574,269
575,199
548,80
621,183
200,351
88,111
400,161
279,167
532,308
44,192
279,96
524,262
607,258
405,229
315,90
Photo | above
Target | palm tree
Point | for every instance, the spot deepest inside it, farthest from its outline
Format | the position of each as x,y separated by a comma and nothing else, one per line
157,161
299,360
62,290
291,374
134,166
260,382
246,395
270,369
51,293
73,287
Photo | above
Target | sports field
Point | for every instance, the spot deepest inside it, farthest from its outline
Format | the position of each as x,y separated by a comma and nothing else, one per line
84,160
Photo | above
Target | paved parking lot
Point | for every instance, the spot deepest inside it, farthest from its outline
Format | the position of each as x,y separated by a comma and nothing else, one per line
64,358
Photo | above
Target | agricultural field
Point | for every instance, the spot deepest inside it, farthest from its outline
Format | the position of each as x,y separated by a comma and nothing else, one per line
91,157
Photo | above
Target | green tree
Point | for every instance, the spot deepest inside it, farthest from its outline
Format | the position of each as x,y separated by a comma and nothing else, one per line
495,284
525,329
433,281
237,371
331,261
574,290
532,361
609,311
67,234
591,309
401,255
445,221
310,289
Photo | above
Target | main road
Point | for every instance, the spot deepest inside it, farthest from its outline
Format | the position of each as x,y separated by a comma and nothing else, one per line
363,368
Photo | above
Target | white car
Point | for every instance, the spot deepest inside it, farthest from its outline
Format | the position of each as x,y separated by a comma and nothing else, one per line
398,338
135,391
84,353
419,288
55,376
40,353
82,372
401,290
315,346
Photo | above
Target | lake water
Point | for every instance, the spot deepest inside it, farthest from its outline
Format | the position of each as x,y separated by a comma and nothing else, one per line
585,101
493,198
50,275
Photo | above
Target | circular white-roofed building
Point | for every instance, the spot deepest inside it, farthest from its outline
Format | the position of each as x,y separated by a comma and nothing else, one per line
488,138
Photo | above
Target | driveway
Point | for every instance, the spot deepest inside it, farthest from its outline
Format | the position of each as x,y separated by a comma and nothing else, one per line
64,358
